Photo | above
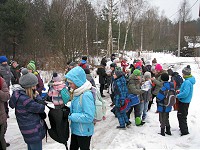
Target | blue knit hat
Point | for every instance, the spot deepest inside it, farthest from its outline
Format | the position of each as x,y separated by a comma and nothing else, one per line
3,59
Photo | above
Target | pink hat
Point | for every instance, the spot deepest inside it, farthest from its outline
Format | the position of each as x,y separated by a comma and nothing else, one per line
158,67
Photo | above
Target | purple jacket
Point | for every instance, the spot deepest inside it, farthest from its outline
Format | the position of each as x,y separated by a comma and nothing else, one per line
27,114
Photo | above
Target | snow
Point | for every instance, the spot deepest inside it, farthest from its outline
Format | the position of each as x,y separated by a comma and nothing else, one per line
106,135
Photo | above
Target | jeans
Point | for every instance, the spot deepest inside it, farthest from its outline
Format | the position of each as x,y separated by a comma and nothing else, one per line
35,146
144,108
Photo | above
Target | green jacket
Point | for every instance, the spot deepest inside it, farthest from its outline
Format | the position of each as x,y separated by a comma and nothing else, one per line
158,83
134,86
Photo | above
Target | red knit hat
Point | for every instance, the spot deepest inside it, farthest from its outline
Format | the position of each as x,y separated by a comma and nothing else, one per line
158,67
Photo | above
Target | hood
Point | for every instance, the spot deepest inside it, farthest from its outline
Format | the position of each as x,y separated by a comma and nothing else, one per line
16,87
191,79
77,76
83,61
175,73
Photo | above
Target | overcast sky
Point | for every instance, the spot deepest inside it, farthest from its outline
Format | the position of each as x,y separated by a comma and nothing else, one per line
171,6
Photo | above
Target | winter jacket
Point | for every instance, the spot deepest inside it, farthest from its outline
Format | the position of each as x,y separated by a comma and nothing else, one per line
134,86
6,73
27,114
160,98
40,85
102,74
147,96
84,64
158,83
16,75
54,92
4,97
120,91
186,90
82,108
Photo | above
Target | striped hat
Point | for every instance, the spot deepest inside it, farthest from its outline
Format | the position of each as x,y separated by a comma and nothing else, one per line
31,66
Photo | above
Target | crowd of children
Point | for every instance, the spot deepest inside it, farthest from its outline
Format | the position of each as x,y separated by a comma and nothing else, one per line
141,79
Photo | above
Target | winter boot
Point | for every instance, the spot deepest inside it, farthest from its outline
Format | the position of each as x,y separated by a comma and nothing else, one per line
168,130
162,131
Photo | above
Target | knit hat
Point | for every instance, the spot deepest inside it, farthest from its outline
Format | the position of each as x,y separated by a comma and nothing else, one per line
137,72
119,73
158,67
113,65
31,66
147,75
27,79
187,70
147,63
72,64
164,77
56,77
3,59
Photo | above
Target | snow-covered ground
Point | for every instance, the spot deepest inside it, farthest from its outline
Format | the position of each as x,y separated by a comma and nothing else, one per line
106,135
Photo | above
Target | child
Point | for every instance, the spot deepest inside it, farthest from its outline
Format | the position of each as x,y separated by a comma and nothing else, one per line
146,86
27,103
82,110
120,93
185,97
54,92
164,110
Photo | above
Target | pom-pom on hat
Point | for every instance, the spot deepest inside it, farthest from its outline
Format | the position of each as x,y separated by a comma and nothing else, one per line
3,59
137,72
158,67
164,77
56,77
187,70
27,79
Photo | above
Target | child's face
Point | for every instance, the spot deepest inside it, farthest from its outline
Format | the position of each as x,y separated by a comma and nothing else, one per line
72,85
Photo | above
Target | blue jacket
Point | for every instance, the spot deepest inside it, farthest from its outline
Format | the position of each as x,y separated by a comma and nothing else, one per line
82,108
160,98
27,114
186,90
120,91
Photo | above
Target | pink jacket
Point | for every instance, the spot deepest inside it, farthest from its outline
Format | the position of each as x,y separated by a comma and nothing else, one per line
54,92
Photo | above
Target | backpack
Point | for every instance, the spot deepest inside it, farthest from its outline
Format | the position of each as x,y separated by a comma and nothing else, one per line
170,96
58,119
178,80
100,107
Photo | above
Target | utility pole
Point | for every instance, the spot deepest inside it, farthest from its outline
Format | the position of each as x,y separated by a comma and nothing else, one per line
179,35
